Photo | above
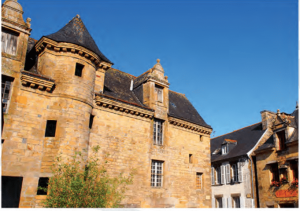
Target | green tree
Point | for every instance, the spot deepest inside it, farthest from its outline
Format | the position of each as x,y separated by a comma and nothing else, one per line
76,185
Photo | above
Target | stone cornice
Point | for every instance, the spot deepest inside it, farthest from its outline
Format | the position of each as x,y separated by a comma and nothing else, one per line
104,101
21,27
189,125
45,42
37,81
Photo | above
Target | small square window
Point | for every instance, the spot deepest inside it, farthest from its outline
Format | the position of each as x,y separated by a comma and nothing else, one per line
50,128
199,181
78,69
43,183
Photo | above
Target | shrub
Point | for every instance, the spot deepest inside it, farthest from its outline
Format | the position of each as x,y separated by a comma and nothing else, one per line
76,185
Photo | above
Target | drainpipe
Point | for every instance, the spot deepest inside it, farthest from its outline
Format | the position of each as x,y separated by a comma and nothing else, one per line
252,181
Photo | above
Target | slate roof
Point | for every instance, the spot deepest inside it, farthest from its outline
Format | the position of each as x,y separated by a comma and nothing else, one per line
75,32
117,85
246,139
180,107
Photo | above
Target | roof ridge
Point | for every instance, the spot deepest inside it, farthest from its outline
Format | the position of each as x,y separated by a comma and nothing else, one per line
236,130
122,72
177,92
144,72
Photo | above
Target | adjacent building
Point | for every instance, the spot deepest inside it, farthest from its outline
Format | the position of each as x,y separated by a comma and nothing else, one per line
277,161
257,166
60,94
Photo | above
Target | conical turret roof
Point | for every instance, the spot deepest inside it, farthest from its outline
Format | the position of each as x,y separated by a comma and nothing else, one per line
75,32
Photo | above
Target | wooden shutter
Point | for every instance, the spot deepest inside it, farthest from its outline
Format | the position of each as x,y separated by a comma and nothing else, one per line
212,175
240,172
222,174
228,173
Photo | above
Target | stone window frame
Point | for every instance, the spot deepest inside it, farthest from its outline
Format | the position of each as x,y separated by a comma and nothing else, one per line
236,200
199,180
159,92
280,144
157,173
6,84
158,132
274,172
9,37
219,201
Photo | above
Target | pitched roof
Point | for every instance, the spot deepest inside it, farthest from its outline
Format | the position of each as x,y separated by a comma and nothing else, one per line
75,32
246,138
117,85
180,107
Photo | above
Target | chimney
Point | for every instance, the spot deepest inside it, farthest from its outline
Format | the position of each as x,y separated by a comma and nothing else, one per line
267,118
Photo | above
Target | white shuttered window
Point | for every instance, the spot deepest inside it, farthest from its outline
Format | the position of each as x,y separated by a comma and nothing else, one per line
227,173
222,174
240,172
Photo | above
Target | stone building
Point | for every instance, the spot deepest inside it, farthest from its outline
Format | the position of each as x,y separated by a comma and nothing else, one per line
257,166
277,161
60,94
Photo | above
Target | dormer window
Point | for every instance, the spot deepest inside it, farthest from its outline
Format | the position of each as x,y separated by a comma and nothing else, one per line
159,94
281,139
9,41
224,149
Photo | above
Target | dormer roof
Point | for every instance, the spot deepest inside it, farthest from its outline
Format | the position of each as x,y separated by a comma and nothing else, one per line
75,32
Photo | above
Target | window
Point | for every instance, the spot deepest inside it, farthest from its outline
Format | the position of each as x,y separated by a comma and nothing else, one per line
43,183
274,172
212,175
224,149
281,139
50,128
91,121
199,181
218,174
78,69
236,202
219,203
190,158
294,168
9,41
11,191
234,173
6,86
156,173
158,132
159,93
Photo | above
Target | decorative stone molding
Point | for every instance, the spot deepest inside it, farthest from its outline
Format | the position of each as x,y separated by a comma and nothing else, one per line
190,126
130,108
46,43
36,81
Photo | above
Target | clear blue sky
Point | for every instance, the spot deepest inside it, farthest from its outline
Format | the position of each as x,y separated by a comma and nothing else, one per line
232,58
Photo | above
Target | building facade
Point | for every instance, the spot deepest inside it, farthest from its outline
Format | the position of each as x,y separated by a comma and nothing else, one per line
60,94
257,166
232,186
277,161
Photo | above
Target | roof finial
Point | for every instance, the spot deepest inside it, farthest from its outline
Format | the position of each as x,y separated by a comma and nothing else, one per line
278,111
158,60
77,16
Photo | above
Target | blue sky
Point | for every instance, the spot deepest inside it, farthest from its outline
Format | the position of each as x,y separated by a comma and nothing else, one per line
232,58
